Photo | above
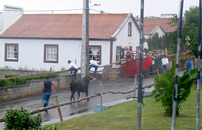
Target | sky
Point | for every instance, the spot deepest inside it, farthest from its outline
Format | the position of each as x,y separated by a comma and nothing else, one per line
151,7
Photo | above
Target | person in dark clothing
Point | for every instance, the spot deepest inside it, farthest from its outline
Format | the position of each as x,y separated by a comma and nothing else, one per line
47,90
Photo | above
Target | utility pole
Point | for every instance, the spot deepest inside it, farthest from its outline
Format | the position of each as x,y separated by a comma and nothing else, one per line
139,101
85,40
177,67
198,77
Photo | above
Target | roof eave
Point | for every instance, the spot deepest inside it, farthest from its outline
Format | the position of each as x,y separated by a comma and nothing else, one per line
54,38
121,26
125,21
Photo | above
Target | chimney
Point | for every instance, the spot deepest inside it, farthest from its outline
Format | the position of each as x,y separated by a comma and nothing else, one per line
9,16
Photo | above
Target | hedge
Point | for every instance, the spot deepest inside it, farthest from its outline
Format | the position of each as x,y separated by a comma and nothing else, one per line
19,81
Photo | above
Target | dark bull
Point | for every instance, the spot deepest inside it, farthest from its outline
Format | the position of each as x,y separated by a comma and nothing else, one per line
78,86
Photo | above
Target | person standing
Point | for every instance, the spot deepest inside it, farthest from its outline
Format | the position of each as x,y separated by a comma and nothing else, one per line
94,64
195,63
47,90
165,62
149,64
188,65
72,68
128,54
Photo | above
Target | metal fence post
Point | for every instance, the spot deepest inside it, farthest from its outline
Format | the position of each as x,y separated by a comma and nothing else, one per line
198,68
174,111
139,99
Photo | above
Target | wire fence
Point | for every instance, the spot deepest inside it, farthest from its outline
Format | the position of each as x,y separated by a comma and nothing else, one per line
58,105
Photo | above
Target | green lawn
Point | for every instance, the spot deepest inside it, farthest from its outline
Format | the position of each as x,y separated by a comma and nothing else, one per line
124,117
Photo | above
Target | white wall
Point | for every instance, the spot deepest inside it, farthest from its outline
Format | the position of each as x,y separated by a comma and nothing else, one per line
105,50
159,31
145,45
1,21
147,36
124,40
31,53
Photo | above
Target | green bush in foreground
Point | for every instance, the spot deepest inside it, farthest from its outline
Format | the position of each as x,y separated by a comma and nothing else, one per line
21,120
164,89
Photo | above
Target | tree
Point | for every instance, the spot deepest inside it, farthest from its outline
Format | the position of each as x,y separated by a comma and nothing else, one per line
191,28
166,41
174,20
154,42
192,16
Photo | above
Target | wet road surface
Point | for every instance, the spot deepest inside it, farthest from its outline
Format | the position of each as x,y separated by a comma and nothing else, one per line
35,102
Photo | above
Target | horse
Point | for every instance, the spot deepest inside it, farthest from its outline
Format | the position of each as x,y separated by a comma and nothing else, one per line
78,86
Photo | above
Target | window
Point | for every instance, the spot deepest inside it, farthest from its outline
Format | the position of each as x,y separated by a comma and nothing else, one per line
129,29
51,53
11,52
95,53
118,53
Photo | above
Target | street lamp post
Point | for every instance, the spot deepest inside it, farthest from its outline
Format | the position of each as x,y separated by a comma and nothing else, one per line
85,40
139,99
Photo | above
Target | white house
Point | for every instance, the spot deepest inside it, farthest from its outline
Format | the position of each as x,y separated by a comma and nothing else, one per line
39,41
157,25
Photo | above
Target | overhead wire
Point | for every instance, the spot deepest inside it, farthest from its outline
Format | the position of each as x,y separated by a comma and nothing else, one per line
64,10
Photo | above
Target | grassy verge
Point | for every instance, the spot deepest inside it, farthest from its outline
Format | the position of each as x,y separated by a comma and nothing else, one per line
124,117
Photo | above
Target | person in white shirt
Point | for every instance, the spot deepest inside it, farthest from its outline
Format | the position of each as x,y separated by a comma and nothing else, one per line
94,64
164,64
72,68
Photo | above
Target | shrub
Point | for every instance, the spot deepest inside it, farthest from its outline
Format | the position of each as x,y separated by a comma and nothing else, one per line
164,89
21,119
10,75
20,81
23,80
3,82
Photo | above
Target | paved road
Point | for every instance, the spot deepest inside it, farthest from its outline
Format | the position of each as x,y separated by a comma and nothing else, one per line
34,102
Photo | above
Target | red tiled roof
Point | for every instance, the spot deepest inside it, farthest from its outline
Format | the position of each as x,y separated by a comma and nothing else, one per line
101,26
151,23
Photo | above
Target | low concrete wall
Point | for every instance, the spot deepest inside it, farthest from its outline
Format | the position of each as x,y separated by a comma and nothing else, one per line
34,87
31,88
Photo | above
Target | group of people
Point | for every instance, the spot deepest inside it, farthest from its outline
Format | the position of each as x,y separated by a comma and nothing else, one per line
74,68
47,84
188,65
